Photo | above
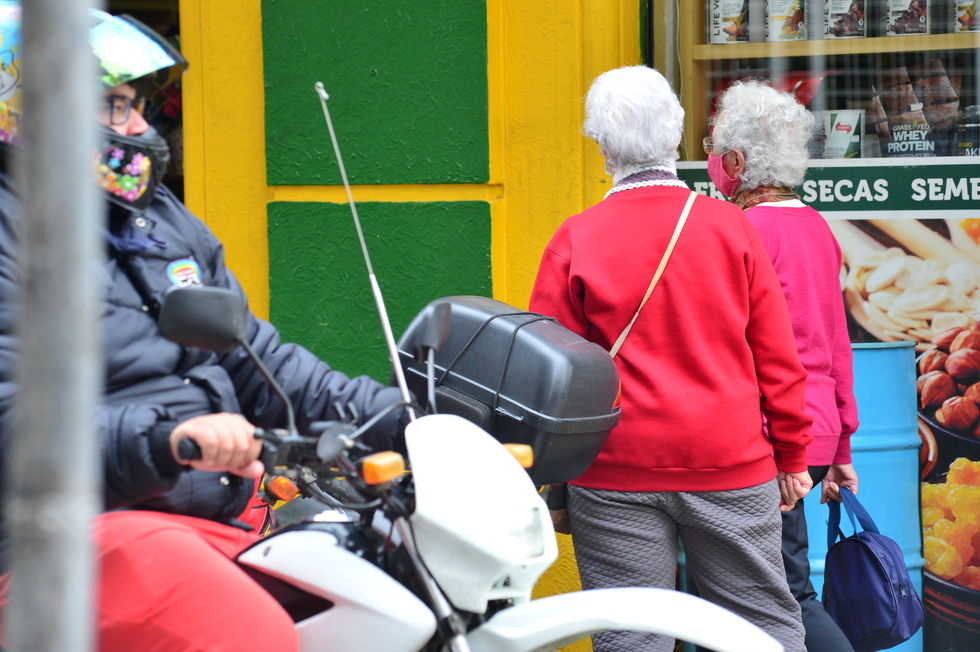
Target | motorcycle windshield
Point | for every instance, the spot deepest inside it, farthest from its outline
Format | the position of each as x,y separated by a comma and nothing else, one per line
480,525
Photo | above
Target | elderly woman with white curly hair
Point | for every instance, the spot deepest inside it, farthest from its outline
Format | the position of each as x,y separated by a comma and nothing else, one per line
708,357
757,156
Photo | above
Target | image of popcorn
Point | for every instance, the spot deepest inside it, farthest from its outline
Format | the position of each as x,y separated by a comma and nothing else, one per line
950,526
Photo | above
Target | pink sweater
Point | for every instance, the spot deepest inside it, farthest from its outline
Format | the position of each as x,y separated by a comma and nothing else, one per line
807,260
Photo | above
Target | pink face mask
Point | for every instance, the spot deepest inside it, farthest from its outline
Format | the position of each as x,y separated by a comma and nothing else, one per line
718,176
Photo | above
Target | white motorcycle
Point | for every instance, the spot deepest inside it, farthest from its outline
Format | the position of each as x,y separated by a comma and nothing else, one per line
443,557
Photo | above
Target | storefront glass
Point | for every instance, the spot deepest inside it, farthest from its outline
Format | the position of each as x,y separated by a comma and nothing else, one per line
895,169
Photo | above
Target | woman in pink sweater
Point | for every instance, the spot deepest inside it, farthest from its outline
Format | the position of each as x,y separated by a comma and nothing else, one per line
757,156
710,355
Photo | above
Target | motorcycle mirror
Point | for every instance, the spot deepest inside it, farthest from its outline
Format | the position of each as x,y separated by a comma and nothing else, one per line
333,439
214,319
205,317
436,318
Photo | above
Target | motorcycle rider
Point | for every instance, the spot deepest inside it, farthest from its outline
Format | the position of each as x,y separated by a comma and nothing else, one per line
166,543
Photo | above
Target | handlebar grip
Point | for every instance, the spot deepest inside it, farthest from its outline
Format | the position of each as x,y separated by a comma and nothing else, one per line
187,449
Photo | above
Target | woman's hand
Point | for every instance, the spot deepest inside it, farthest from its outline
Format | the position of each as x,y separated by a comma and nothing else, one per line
839,475
792,487
227,443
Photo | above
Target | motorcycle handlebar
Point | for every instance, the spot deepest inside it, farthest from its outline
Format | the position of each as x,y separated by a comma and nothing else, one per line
188,450
280,450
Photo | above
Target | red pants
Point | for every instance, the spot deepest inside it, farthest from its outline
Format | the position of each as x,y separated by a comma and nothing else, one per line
169,583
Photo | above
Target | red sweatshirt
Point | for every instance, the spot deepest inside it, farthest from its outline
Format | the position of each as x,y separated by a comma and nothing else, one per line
711,352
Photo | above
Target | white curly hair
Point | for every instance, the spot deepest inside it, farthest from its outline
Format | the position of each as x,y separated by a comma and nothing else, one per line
635,117
770,128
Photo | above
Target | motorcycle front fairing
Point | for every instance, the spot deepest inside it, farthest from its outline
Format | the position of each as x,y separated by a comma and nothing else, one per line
370,610
479,523
553,622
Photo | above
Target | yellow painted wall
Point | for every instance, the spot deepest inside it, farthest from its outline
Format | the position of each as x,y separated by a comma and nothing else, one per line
542,56
224,133
549,52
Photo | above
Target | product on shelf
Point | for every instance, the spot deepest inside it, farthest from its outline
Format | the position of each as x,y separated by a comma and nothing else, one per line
844,19
968,132
785,20
728,21
870,147
842,133
895,89
908,129
878,120
940,101
815,146
901,17
965,19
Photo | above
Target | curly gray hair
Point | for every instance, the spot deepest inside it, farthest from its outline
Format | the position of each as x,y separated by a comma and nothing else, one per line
770,128
634,116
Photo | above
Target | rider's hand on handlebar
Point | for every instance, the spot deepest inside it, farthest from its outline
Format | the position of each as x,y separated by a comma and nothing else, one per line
227,443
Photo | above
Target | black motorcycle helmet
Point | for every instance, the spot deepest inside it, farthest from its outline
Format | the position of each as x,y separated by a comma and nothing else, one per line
128,168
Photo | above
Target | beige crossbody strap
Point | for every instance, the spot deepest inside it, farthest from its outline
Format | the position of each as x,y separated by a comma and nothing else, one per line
656,276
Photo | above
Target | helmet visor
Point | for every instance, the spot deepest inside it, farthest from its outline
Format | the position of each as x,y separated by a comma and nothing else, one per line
127,50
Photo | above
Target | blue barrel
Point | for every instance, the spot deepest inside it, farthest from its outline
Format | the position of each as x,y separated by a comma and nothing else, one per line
885,452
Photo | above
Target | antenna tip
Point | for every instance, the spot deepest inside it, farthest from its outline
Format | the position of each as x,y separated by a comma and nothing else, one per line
320,90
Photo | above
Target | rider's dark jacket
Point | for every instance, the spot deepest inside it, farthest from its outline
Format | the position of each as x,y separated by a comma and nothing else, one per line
151,384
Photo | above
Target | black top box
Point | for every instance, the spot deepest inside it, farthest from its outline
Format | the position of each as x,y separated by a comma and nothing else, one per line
523,378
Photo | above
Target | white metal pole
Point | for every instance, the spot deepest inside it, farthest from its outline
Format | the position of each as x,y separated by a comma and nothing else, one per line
52,487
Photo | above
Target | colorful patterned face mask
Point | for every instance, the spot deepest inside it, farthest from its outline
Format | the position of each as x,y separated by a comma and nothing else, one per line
129,168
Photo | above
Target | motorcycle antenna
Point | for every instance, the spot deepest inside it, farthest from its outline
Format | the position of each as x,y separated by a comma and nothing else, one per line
375,288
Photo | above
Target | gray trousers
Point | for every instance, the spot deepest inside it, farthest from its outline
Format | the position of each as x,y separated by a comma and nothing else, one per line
731,541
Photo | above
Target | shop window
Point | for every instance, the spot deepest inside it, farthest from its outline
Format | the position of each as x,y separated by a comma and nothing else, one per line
895,170
899,77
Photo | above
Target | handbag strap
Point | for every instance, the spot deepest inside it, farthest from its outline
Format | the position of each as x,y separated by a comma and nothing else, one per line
656,275
853,509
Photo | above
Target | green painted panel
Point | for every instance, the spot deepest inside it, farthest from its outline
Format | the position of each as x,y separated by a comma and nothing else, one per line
407,81
320,292
646,34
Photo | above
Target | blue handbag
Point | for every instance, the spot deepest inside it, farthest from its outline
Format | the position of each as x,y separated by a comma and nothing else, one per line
867,589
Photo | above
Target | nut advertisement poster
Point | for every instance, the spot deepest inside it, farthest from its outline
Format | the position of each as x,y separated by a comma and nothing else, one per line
909,232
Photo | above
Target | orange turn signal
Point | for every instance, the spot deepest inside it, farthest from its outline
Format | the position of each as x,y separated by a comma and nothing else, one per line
523,453
382,467
281,488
